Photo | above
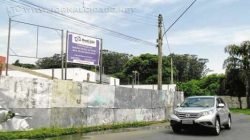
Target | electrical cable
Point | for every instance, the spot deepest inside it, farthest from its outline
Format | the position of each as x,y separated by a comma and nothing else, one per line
140,21
166,37
137,15
182,14
111,32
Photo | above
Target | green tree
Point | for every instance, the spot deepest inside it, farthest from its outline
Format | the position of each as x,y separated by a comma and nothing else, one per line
50,62
209,85
239,58
146,65
56,62
188,67
113,62
29,66
234,84
190,88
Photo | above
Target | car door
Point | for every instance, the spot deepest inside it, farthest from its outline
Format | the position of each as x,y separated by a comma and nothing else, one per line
223,111
219,110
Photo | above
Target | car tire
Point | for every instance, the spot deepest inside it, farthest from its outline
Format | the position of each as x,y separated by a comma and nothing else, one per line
176,130
229,123
216,130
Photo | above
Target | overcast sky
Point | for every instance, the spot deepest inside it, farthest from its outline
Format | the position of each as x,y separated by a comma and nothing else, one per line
205,30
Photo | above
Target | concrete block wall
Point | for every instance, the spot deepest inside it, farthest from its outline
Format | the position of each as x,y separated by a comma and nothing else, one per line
26,96
168,87
66,104
233,102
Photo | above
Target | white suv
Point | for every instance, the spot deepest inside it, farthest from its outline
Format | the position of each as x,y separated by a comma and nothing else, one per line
201,112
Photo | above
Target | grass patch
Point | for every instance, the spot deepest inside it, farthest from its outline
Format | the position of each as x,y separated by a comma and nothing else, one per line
54,132
243,111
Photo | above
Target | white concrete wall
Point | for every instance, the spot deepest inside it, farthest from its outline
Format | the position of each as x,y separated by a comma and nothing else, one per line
21,74
74,74
57,72
78,75
60,103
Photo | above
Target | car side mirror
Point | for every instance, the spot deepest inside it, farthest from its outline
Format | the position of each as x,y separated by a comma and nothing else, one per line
178,105
220,105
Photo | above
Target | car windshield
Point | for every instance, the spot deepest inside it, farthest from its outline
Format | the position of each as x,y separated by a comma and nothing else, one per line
198,102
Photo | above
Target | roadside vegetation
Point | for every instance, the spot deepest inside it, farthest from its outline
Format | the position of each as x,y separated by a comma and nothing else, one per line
235,82
208,85
54,132
242,111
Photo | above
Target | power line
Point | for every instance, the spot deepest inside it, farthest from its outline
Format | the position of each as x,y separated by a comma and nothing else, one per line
179,17
165,31
141,19
13,51
154,17
166,37
171,58
89,26
138,20
111,32
168,45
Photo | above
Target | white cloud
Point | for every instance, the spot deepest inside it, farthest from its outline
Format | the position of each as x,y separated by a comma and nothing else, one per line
217,71
209,42
52,42
155,2
225,1
14,32
4,35
210,36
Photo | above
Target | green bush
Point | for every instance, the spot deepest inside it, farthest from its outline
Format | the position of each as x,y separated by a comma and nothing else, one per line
54,132
209,85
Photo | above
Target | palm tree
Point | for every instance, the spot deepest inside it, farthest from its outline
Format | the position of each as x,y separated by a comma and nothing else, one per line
239,58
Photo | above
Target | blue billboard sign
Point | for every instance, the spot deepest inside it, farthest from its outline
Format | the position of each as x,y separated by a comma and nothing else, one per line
83,49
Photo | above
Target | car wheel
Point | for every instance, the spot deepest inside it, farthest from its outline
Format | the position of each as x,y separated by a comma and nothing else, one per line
229,123
216,130
176,129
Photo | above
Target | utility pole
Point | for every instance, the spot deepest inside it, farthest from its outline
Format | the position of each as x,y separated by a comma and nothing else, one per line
8,48
172,71
66,56
159,45
62,57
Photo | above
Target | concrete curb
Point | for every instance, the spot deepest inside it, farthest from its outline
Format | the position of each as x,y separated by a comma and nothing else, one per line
165,125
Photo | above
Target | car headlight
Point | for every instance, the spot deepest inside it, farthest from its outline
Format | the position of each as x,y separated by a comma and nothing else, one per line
205,113
176,112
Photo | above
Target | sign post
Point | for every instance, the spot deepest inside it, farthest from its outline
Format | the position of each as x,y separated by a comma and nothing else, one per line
101,71
83,49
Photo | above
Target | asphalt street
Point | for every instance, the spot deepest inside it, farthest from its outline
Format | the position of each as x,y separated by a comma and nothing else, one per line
240,131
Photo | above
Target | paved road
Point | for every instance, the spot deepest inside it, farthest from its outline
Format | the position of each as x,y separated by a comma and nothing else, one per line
240,131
